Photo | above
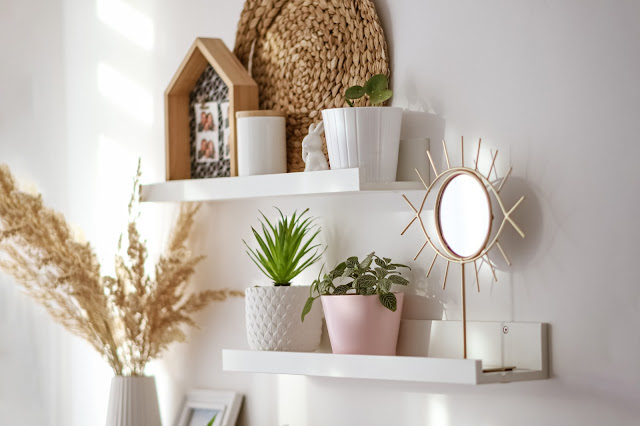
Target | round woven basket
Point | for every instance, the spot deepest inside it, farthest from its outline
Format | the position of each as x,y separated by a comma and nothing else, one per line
304,54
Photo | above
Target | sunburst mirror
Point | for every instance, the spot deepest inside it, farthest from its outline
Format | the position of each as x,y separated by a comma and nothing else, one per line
462,217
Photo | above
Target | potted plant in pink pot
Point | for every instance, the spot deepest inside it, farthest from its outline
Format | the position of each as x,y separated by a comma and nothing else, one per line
362,313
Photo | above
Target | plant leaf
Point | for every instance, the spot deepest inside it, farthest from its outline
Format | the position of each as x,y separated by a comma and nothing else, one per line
376,83
389,301
342,289
381,273
384,285
365,281
381,263
386,259
354,92
397,279
307,308
376,98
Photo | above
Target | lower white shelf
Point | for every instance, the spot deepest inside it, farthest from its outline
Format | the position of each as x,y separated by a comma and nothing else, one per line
398,368
429,351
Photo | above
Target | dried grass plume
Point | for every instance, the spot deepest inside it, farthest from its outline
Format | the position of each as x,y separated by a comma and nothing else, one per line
130,318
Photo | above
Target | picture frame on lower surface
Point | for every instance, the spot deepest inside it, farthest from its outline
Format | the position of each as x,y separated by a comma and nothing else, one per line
210,408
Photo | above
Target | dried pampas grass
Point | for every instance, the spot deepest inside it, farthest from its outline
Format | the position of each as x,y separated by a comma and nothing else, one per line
130,318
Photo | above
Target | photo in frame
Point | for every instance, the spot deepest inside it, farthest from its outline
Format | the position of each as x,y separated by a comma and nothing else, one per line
210,408
208,132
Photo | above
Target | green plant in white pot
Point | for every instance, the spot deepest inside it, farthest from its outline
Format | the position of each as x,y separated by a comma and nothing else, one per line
283,251
362,314
365,136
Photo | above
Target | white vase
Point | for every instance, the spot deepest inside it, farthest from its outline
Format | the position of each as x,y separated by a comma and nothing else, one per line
365,137
133,401
273,319
262,142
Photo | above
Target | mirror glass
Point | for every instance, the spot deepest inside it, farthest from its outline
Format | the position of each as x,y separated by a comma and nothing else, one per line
464,215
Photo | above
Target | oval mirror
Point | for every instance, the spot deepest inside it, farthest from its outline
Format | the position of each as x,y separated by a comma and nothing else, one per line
463,215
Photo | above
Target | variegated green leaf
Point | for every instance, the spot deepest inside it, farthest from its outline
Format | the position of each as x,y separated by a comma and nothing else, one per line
342,289
397,279
380,273
307,308
365,281
384,285
389,301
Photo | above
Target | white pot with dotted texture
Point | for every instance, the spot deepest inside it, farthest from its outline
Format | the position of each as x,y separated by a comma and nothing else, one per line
273,319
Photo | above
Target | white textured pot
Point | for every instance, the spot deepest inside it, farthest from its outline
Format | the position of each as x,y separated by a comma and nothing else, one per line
365,137
133,401
273,319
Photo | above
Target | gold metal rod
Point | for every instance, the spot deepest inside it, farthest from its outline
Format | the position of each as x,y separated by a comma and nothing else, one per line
464,313
432,165
493,271
492,164
433,262
422,180
475,263
446,153
410,205
446,272
478,155
410,223
504,179
422,248
462,149
507,216
503,253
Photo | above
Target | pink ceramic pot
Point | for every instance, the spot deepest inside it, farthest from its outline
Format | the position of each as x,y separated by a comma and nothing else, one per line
361,325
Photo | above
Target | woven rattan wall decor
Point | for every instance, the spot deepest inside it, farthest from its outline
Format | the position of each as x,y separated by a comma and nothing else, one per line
304,54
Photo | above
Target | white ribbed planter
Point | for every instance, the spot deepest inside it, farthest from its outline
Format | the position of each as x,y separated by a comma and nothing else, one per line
364,137
273,319
133,401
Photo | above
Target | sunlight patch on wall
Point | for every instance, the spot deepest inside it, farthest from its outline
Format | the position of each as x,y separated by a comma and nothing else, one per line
436,411
127,95
132,24
292,397
116,169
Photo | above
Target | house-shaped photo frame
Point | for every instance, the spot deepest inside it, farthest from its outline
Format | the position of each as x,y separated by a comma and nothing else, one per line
242,95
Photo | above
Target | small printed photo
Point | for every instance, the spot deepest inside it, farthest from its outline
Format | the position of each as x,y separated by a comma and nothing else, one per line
207,132
205,417
226,132
207,116
207,147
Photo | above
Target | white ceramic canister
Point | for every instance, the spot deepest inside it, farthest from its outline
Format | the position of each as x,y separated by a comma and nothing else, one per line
262,142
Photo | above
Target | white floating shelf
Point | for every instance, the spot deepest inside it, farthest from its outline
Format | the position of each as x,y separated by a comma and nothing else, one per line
399,368
304,183
523,346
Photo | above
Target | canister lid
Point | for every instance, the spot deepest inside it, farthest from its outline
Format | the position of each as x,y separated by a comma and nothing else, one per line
260,113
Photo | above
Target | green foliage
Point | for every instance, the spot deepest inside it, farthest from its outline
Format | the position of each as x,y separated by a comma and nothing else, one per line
212,420
286,249
376,88
366,281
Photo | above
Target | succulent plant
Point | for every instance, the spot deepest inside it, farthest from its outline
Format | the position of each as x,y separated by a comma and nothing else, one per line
376,89
285,249
373,275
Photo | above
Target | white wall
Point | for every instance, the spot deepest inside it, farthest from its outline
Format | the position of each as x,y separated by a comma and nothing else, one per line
552,85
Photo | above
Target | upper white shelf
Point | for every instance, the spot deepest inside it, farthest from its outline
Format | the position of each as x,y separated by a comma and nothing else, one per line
233,188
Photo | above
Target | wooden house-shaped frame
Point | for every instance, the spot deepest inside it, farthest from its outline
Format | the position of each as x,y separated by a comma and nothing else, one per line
242,96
